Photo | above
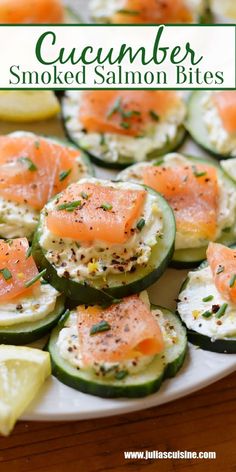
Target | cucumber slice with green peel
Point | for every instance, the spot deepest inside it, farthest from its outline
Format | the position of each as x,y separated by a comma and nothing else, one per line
124,162
25,333
207,343
196,126
119,285
163,366
191,257
98,156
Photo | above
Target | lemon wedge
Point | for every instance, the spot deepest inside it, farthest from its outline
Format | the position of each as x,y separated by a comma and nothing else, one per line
22,372
27,106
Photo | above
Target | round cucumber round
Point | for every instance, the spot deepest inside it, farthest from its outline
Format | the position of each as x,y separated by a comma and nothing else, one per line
25,333
141,384
191,257
207,343
123,161
117,285
196,126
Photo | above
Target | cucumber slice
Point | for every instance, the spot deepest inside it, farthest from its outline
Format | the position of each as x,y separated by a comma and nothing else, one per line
187,258
224,345
24,333
98,158
117,285
196,126
132,386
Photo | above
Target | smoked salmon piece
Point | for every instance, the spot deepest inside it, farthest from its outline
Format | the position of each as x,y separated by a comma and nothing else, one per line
31,11
154,11
88,212
193,194
222,261
226,106
126,112
31,169
131,331
15,269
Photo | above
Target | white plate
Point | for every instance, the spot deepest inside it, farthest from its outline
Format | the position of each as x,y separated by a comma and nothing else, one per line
201,368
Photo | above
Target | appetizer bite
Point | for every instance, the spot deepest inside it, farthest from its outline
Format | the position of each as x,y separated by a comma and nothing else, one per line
125,350
32,170
211,121
34,11
120,127
202,197
149,12
207,301
101,240
29,306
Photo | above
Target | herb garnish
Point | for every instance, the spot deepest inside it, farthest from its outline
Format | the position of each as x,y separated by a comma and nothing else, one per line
115,107
30,164
232,280
129,12
36,278
28,252
64,174
84,195
154,115
221,310
140,224
124,124
37,144
207,314
208,299
69,206
121,374
6,273
99,327
220,269
197,173
106,206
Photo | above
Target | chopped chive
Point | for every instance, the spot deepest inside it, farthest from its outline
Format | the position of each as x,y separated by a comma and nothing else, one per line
220,269
37,144
84,195
124,124
106,206
100,327
115,107
208,299
196,173
77,245
28,252
64,174
69,206
207,314
221,310
154,115
121,374
36,278
6,273
140,224
232,281
128,12
64,318
30,164
102,139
